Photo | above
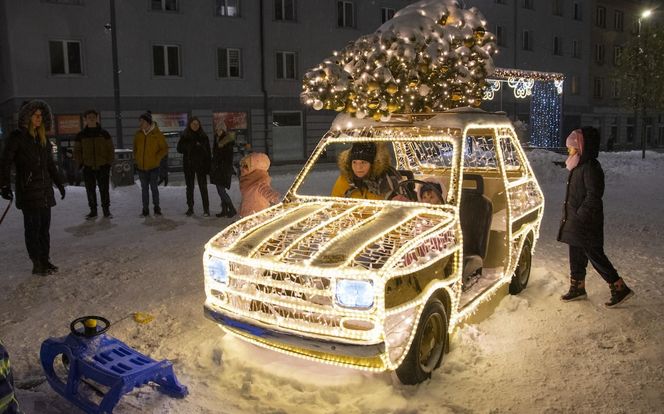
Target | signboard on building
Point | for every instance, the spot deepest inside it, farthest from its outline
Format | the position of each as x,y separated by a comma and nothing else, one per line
68,124
173,122
233,122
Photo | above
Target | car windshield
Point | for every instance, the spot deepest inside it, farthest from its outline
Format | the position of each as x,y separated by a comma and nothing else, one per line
417,170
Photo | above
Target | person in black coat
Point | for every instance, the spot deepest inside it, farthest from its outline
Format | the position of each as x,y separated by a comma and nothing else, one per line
582,224
222,169
194,144
31,153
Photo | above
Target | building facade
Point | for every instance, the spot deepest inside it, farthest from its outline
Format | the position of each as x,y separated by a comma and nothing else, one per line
240,62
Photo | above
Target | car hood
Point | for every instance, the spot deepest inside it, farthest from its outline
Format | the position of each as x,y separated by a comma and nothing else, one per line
330,236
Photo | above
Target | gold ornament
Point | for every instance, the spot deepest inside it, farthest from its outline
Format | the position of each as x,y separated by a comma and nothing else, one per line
392,107
372,86
376,116
443,19
469,41
373,104
392,88
479,33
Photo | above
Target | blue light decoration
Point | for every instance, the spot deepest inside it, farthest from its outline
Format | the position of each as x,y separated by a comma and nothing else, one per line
546,114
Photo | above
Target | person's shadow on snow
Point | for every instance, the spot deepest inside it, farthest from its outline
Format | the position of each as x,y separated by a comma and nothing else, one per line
90,227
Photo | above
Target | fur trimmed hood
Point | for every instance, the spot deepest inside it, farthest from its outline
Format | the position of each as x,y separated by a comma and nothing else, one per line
29,108
381,164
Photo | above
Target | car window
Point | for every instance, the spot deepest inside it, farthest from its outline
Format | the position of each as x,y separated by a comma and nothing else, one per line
515,168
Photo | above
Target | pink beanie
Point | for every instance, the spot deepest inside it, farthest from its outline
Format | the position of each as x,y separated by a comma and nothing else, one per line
575,140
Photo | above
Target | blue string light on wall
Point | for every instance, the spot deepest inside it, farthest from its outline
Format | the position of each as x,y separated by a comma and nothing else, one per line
545,114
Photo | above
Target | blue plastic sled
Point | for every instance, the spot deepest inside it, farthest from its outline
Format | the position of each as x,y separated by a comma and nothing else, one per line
108,362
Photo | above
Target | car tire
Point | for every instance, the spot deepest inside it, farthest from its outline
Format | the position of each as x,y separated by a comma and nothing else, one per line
522,272
428,347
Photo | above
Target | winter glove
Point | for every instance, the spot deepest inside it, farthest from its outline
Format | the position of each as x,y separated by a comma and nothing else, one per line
7,193
61,188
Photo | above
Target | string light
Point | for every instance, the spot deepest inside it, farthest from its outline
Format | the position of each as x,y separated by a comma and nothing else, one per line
284,262
545,115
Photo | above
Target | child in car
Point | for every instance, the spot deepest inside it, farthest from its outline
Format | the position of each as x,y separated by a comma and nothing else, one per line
432,192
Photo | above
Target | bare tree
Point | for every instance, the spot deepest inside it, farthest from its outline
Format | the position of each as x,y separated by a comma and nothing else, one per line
640,72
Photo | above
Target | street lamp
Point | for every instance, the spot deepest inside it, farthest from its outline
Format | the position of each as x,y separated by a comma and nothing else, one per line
112,26
644,15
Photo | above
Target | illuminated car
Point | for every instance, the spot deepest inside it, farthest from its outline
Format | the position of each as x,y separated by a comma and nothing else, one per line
379,284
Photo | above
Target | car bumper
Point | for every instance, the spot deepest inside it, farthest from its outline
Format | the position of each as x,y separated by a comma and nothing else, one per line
356,356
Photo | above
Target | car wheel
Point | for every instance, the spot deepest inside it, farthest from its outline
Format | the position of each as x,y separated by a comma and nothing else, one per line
426,351
522,272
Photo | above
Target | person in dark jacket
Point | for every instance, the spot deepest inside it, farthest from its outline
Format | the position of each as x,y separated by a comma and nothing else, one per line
194,145
8,403
222,169
31,153
94,152
582,225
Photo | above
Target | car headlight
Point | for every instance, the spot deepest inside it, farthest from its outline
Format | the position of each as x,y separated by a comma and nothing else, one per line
354,293
217,269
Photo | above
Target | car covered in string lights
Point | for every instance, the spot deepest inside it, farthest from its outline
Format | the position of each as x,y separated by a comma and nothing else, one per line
380,284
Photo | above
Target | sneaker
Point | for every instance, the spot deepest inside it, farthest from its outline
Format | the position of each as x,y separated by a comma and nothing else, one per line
157,211
619,296
574,293
91,215
145,213
190,212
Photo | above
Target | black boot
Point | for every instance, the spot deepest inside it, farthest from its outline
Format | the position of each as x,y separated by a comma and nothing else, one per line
51,268
231,210
619,293
107,212
38,268
224,210
577,291
92,214
145,212
157,211
190,211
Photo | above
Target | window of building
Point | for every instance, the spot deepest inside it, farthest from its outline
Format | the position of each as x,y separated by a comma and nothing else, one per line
166,60
578,15
600,16
65,57
557,46
229,63
228,8
574,85
599,53
630,129
386,14
527,38
598,88
616,88
576,48
617,53
286,65
164,5
618,20
500,1
345,14
500,35
284,9
69,2
529,4
557,7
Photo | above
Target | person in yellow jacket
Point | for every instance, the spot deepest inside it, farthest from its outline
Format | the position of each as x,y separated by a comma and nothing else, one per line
365,171
149,148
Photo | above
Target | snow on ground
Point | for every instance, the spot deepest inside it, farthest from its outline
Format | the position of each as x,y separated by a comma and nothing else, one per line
533,353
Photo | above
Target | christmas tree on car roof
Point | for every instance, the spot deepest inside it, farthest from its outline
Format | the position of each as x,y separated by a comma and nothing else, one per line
432,56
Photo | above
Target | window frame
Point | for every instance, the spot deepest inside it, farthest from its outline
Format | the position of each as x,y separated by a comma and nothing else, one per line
615,88
228,63
576,48
557,46
218,7
384,12
578,12
283,11
500,36
163,6
600,53
575,85
342,16
527,35
64,43
600,17
528,4
617,54
167,74
284,65
618,20
557,7
598,87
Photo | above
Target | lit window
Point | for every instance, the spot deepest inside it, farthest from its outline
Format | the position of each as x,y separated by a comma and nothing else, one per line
229,8
65,57
164,5
166,60
286,65
345,14
284,9
229,63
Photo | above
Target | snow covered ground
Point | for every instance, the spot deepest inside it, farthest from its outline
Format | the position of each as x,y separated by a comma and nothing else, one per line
532,354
